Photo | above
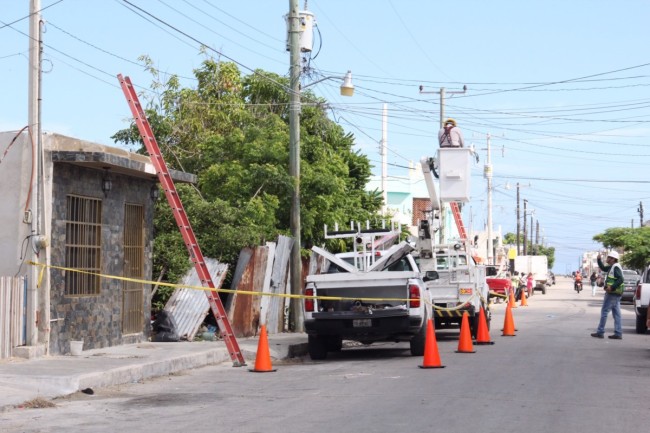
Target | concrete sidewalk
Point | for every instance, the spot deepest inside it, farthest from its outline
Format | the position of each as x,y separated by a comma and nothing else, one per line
22,380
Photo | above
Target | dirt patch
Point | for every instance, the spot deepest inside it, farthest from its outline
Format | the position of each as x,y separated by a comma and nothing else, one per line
37,403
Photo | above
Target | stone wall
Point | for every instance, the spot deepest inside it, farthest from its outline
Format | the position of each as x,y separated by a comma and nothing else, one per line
96,320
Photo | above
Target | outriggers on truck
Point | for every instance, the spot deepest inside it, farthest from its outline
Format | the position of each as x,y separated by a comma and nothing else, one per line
456,282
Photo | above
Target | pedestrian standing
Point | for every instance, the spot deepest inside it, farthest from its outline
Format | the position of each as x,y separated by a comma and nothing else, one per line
529,284
614,286
592,280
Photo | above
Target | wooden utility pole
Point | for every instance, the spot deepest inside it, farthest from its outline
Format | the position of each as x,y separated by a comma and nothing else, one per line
294,164
518,220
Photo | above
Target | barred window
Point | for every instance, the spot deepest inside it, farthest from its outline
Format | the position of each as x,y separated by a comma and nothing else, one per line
83,231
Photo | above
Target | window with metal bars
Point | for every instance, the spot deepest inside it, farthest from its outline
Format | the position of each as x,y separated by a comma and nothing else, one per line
83,244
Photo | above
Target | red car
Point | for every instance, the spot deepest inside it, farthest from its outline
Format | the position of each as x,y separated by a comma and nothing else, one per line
499,285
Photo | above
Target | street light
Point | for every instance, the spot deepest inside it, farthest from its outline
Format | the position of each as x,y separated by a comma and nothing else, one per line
347,89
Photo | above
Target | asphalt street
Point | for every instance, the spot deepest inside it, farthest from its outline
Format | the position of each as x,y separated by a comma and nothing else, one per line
551,377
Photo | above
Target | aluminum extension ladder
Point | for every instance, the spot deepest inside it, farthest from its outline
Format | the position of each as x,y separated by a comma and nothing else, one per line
181,220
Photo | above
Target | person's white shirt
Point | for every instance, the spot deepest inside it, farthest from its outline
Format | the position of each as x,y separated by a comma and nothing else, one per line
453,137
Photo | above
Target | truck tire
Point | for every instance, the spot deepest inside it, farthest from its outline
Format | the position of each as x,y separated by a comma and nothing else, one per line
417,343
641,327
544,291
317,347
334,343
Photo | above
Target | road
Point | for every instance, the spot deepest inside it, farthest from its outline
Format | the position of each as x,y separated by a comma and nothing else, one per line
551,377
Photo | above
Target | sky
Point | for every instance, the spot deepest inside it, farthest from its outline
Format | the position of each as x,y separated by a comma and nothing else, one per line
561,87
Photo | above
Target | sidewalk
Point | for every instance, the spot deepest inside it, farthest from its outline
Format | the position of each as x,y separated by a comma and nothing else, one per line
22,380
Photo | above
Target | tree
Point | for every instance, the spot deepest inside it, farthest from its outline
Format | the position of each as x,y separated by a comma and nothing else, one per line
635,243
232,132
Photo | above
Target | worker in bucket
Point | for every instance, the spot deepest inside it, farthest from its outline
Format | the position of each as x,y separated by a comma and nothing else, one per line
450,135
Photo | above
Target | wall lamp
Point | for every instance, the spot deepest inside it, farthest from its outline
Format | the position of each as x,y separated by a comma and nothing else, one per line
107,183
154,193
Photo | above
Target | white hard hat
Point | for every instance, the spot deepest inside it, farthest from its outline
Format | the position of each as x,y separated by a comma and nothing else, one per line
613,254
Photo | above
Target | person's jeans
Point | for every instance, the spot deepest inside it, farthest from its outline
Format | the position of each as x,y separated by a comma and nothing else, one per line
611,303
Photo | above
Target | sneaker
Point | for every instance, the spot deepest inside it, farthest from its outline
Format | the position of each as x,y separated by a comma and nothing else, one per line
615,337
597,335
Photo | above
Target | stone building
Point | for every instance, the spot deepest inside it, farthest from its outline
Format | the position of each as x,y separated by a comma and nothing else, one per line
79,232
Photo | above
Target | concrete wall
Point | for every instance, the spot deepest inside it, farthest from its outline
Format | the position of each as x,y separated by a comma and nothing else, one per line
15,178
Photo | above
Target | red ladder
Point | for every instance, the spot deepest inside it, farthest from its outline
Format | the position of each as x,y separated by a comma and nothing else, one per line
459,221
181,220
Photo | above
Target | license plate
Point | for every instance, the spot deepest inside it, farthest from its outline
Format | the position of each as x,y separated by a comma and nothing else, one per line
361,323
465,291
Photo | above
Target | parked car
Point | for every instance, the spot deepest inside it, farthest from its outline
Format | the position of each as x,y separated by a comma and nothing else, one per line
499,284
631,280
641,300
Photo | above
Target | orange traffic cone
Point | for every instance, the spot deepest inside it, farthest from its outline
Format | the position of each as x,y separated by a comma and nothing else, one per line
483,333
263,356
524,302
508,324
465,341
511,301
431,355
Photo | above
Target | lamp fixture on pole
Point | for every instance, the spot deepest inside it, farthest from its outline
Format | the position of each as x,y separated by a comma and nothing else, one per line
347,88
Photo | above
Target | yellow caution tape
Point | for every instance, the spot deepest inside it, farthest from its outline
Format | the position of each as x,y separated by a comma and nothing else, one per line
220,290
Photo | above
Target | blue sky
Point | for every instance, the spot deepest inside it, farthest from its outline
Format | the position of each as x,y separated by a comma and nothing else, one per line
562,87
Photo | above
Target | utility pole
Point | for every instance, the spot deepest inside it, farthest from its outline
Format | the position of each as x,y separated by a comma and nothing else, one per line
294,164
640,210
443,92
525,236
488,175
531,233
537,232
518,219
34,122
384,158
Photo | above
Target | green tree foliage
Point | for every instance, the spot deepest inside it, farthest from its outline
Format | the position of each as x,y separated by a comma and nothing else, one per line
232,132
635,243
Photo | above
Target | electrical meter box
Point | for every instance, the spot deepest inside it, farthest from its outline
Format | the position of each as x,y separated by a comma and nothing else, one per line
454,174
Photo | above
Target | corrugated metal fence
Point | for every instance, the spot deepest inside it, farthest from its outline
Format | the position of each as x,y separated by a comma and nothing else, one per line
12,314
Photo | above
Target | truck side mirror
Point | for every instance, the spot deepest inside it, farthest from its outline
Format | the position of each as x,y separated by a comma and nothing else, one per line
430,276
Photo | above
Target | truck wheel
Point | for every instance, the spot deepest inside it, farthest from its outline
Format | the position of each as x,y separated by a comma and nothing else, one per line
316,345
544,291
641,327
473,326
334,343
418,341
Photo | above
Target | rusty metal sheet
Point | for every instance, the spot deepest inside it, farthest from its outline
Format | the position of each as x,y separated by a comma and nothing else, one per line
245,309
188,306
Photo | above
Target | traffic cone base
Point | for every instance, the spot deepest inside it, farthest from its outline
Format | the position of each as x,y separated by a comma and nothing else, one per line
431,356
483,333
465,341
263,355
508,324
